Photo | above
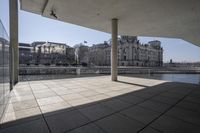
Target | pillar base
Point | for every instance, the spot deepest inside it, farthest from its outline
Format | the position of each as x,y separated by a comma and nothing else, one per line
114,79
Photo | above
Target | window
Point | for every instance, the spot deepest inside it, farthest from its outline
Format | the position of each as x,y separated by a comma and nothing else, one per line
124,57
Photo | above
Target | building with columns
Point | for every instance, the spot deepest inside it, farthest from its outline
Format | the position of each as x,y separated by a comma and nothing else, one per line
51,48
41,52
130,53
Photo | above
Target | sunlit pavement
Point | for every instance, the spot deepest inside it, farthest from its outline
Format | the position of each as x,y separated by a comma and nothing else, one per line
97,105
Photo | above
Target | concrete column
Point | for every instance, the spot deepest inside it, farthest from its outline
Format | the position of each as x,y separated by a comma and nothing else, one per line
14,51
114,50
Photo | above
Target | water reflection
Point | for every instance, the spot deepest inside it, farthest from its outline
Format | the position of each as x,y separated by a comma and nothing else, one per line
186,78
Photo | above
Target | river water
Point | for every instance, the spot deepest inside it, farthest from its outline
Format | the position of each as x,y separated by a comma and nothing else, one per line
186,78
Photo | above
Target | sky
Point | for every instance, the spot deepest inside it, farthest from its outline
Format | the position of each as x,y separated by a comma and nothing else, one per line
33,27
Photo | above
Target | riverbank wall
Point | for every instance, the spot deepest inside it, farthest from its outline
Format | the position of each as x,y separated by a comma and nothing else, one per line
47,70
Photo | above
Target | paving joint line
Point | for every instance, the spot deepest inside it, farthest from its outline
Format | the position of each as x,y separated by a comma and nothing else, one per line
111,113
164,112
40,109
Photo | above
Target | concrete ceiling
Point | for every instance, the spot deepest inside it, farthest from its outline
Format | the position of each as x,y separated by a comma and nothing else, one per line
156,18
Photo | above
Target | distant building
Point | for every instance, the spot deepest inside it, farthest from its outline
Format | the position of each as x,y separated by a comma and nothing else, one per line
25,53
130,53
98,54
46,53
182,64
34,44
51,48
81,53
70,54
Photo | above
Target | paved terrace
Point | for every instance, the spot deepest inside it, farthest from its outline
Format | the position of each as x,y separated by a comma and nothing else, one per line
97,105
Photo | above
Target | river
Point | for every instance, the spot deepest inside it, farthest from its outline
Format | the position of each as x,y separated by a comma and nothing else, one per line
186,78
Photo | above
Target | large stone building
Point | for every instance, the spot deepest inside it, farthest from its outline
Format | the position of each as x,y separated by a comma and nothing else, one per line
98,54
130,53
51,48
81,53
25,53
46,53
50,53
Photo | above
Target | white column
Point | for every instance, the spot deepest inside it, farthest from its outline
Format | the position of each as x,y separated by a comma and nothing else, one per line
14,51
114,50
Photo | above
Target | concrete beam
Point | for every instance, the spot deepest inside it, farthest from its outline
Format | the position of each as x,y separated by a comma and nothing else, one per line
114,50
181,20
14,51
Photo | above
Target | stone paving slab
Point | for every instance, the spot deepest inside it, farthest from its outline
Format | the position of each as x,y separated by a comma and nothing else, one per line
141,114
89,128
171,125
97,105
119,124
34,126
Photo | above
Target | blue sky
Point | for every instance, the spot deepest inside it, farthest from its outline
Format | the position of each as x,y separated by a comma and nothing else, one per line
33,27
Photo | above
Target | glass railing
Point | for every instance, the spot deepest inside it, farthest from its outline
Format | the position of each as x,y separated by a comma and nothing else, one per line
4,69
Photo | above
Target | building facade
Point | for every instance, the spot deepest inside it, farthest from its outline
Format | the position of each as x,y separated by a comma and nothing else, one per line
51,48
25,53
130,53
81,53
46,53
97,54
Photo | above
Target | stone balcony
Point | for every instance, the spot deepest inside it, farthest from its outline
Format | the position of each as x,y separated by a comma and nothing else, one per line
97,105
